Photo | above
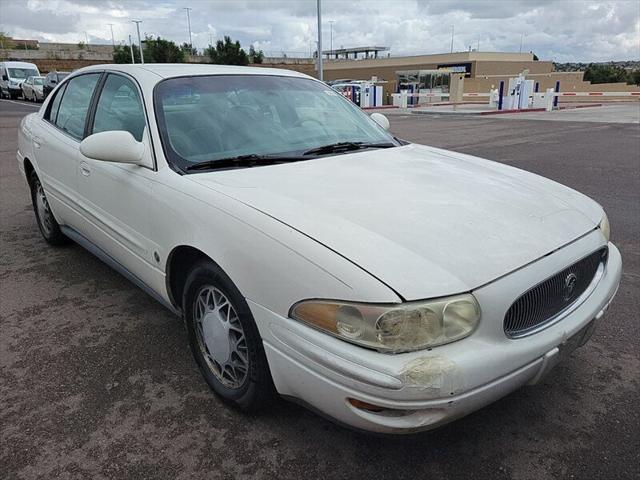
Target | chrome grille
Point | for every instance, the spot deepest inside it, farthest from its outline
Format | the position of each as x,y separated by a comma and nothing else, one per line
543,303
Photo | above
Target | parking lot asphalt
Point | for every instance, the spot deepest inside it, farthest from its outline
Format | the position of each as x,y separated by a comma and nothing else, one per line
97,380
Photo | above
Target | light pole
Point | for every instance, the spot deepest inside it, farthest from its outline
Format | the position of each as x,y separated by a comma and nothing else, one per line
319,40
521,40
452,31
138,22
113,40
86,40
188,9
331,22
133,59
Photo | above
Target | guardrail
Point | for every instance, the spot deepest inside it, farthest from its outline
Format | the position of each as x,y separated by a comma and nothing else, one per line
543,100
596,94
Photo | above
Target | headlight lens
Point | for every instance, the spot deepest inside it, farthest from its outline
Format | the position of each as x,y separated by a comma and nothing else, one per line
605,227
393,328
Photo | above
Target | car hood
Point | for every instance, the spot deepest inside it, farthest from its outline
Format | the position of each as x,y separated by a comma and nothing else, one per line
426,222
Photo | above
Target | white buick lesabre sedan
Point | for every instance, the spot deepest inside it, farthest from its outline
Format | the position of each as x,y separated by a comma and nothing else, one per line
391,286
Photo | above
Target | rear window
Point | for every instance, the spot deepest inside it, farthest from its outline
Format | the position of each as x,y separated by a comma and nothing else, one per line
22,73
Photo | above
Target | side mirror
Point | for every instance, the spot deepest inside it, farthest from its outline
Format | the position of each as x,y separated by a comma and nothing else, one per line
380,120
4,77
113,146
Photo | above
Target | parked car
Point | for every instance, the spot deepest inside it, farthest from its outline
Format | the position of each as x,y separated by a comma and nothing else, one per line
51,81
32,89
12,74
391,286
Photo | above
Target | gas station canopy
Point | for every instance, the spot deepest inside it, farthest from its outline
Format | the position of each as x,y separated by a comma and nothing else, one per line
346,52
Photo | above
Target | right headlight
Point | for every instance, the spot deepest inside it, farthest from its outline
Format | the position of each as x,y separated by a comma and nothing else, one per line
605,227
393,328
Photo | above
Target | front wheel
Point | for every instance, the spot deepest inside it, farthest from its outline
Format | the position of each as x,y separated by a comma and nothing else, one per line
224,339
44,216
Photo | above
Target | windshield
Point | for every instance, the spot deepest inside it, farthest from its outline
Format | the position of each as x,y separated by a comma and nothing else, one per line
37,81
207,118
22,73
62,75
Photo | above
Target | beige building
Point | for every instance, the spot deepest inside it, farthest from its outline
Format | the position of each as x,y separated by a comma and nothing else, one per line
483,71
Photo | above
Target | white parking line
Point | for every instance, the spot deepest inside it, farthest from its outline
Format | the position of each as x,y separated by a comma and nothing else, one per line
20,103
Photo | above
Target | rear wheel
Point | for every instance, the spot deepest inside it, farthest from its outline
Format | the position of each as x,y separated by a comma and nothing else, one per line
44,216
224,339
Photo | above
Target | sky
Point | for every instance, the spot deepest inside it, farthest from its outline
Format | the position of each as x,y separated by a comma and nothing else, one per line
559,30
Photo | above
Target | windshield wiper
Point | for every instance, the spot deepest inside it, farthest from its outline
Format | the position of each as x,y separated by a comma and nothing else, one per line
346,147
242,161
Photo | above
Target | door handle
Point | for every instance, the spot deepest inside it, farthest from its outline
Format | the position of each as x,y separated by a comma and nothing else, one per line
84,169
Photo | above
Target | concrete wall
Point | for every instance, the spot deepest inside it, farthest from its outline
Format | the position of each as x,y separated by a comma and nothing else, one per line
569,82
73,47
41,54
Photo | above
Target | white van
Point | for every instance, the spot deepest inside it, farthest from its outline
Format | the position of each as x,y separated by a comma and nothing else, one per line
12,74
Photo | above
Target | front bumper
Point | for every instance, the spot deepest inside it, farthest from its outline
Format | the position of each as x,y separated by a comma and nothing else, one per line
425,389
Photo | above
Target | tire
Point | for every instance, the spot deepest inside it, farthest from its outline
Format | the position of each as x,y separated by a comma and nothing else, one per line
224,339
47,223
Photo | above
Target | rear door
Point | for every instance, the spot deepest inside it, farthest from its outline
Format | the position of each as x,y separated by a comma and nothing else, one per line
57,140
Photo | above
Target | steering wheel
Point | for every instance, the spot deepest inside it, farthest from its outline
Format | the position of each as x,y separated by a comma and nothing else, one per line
305,120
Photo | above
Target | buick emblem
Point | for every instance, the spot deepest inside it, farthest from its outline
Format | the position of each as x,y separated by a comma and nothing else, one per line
569,285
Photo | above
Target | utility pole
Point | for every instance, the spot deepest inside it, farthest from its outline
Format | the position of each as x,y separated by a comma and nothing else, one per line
331,22
138,22
452,31
86,40
133,59
211,39
320,76
113,40
188,9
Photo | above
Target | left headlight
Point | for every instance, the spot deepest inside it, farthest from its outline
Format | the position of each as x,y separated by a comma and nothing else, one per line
605,227
393,328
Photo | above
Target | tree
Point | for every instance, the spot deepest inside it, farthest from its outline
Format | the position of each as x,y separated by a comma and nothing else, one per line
605,73
159,50
634,77
82,45
255,57
6,41
189,49
227,53
122,54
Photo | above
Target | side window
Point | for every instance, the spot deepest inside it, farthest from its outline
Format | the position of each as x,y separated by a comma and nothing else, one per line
55,104
119,108
75,104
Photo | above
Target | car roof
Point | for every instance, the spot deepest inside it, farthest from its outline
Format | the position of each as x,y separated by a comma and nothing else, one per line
18,64
168,70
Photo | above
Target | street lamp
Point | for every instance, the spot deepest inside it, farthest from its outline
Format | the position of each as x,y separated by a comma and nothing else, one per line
113,40
318,6
188,9
133,58
331,22
452,31
138,22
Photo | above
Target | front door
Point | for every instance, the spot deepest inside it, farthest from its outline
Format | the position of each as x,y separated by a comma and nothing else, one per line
116,196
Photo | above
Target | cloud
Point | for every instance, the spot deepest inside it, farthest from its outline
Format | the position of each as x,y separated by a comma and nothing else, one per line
561,30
